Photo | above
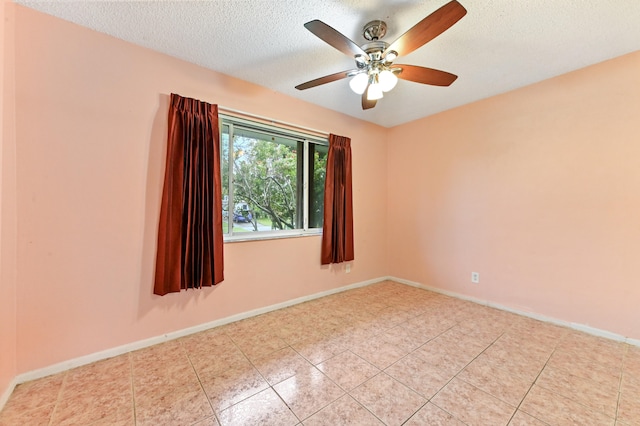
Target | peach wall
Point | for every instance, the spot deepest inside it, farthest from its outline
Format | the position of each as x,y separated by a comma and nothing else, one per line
7,203
91,126
535,189
538,190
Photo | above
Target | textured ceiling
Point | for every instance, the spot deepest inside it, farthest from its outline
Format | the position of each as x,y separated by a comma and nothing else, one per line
498,46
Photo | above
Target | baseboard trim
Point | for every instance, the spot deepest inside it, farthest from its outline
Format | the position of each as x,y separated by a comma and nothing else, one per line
140,344
574,326
7,393
634,342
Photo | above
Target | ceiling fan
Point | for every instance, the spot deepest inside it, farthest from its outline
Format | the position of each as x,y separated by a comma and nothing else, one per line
375,72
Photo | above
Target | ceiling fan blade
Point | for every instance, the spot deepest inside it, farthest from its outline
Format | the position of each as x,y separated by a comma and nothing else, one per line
425,75
428,29
334,38
324,80
366,103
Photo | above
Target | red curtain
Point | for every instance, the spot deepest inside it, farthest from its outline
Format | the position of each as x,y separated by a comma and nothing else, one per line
190,231
337,231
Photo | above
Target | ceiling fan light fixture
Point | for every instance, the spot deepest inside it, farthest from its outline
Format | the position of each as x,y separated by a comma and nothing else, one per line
359,83
388,80
375,92
375,73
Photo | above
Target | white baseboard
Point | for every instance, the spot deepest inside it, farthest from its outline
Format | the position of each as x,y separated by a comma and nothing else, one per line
7,393
119,350
575,326
634,342
599,332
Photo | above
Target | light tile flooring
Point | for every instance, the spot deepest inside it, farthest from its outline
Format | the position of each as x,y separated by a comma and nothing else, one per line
383,354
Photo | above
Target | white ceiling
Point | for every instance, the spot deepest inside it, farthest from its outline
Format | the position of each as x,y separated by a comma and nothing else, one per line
498,46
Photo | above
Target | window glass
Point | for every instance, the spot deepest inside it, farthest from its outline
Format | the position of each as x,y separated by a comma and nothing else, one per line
272,179
317,171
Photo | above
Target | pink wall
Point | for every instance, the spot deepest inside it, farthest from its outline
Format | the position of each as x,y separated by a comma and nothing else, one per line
7,202
538,190
91,125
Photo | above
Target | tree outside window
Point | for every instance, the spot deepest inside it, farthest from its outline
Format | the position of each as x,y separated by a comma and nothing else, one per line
272,181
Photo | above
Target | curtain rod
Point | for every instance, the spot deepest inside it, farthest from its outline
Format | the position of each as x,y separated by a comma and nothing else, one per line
242,114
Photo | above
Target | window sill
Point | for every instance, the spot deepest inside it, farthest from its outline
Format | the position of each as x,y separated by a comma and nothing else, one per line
266,235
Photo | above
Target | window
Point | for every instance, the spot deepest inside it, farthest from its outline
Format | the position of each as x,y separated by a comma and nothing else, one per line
272,180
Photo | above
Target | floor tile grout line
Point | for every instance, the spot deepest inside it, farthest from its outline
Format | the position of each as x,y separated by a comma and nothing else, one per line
459,371
345,392
271,386
475,358
587,408
133,388
58,398
383,370
215,415
379,371
364,406
540,373
428,400
581,378
533,384
624,361
456,375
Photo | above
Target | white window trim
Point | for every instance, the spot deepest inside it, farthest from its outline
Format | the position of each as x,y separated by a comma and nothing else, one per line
271,235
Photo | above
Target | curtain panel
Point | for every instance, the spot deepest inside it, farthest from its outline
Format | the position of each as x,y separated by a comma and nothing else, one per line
337,231
190,245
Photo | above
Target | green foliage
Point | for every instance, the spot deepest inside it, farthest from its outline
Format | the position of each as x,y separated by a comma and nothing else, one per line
316,192
265,177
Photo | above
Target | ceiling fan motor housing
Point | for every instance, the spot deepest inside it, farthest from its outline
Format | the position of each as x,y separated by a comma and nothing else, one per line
374,30
375,49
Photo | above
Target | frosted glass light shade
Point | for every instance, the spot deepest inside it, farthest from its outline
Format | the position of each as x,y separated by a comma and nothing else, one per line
375,92
391,56
387,80
359,83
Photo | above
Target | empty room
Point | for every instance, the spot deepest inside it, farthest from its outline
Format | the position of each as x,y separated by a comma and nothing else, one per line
241,212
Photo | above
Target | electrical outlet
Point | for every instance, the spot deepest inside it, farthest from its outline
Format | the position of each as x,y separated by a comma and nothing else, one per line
347,268
475,277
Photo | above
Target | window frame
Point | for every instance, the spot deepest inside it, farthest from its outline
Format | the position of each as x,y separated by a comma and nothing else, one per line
276,130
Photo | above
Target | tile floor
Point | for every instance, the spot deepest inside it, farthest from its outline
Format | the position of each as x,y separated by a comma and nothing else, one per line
383,354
